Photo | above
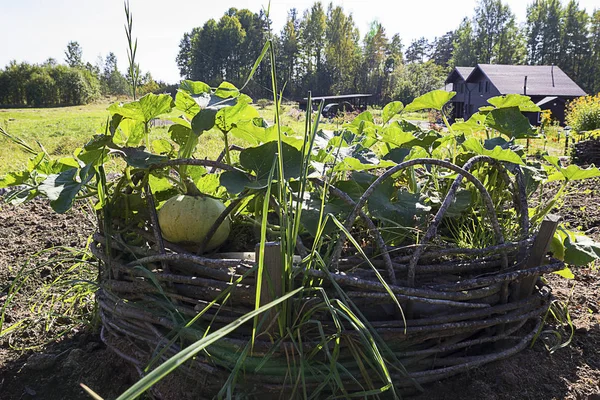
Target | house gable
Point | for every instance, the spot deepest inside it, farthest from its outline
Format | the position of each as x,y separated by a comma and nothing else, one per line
488,80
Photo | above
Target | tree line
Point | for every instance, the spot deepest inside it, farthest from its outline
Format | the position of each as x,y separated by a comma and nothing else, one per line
323,51
73,83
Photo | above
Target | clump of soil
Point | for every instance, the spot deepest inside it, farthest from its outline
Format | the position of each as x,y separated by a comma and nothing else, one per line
56,370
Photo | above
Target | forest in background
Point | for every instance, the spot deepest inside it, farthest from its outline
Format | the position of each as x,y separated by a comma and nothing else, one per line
72,83
321,50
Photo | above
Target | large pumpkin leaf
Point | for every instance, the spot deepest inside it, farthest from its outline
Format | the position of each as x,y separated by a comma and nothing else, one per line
581,250
138,158
251,131
397,155
498,141
227,90
524,103
130,132
435,99
180,134
461,204
186,103
354,164
510,122
204,120
14,179
227,117
474,124
194,87
390,110
572,172
424,139
402,207
236,181
260,160
473,145
396,136
61,189
145,109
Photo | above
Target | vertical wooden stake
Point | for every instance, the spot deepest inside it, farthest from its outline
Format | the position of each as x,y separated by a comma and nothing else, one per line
538,252
272,277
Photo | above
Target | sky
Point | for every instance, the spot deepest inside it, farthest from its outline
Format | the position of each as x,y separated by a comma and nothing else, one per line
35,30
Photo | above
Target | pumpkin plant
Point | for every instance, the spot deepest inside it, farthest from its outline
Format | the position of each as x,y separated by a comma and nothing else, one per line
282,182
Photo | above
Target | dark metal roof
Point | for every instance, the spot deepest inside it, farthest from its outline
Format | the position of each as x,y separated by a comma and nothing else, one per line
340,97
542,80
465,71
459,72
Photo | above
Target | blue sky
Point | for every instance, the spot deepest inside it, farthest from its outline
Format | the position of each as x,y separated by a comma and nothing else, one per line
34,30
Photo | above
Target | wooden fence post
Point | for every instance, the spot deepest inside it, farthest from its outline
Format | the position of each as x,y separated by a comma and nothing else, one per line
538,252
272,277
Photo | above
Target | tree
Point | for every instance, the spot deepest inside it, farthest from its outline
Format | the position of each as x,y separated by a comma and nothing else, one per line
511,46
413,80
497,38
375,51
74,55
543,32
464,54
574,44
226,50
312,37
395,55
184,57
342,52
113,82
592,83
443,48
289,51
418,50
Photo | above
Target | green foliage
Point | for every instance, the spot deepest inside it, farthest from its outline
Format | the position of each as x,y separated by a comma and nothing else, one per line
583,113
490,37
276,182
74,55
50,85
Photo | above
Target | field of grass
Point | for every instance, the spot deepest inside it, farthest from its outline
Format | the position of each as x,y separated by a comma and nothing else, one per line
61,130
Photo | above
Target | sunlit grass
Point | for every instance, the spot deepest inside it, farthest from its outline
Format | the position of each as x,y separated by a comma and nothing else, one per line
61,130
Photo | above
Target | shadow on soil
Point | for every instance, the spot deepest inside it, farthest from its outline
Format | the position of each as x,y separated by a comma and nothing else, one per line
56,371
531,374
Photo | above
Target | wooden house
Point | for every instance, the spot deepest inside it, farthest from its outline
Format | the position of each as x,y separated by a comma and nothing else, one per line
547,86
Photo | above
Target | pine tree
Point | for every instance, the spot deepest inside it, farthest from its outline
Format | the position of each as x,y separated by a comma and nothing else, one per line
464,54
574,42
74,55
342,53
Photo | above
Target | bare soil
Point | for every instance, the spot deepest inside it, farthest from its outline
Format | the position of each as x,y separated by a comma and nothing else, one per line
55,371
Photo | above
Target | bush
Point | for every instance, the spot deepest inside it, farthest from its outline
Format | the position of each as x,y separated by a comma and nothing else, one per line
583,113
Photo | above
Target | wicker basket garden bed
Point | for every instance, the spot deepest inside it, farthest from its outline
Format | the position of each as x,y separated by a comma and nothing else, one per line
461,308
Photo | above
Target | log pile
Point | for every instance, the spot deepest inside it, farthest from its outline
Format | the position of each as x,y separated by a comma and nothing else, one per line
586,152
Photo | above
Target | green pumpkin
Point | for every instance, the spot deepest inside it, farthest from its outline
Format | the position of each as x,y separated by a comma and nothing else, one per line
186,219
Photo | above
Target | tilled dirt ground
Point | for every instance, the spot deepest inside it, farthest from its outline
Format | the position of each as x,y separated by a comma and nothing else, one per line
55,371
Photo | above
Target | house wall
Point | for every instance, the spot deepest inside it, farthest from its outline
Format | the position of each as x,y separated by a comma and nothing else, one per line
481,90
472,95
462,98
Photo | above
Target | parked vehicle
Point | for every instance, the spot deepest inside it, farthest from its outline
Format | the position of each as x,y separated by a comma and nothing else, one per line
332,109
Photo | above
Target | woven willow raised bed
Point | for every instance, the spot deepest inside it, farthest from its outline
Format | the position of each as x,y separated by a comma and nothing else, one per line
463,307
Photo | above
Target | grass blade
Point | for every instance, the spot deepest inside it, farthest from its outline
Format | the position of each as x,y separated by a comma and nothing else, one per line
172,363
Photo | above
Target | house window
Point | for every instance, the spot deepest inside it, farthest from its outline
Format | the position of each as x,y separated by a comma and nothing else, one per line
480,87
487,86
